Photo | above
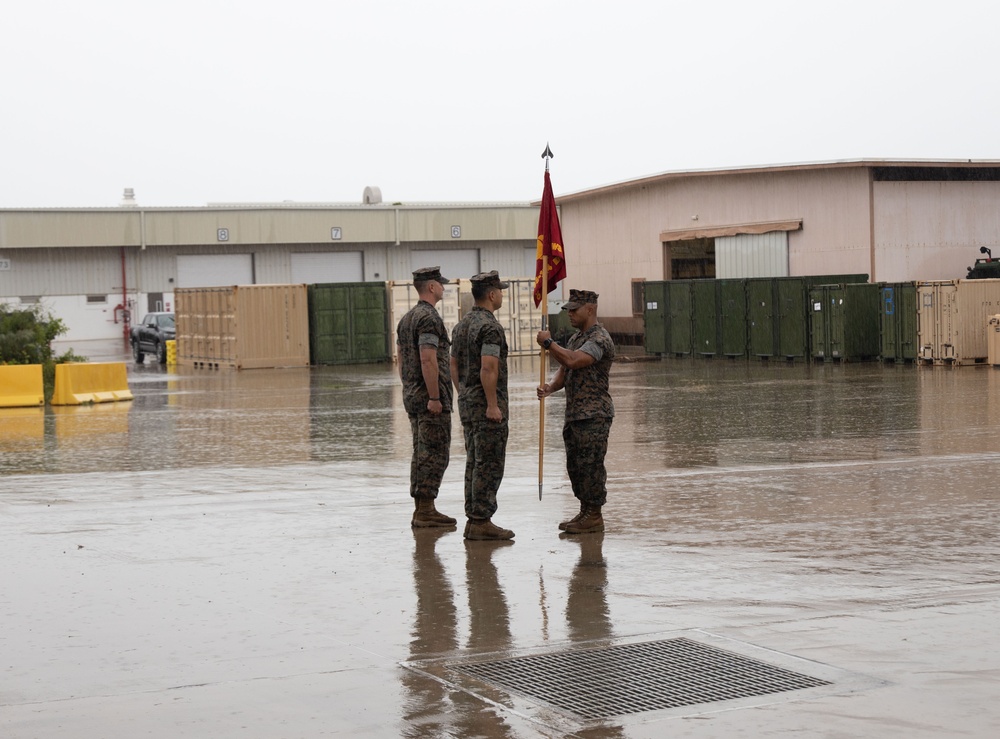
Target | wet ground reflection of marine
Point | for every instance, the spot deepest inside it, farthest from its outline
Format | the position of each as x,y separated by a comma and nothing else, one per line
434,634
587,613
588,617
489,633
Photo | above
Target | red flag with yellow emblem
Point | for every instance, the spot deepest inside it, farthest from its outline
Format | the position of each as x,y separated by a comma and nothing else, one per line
550,243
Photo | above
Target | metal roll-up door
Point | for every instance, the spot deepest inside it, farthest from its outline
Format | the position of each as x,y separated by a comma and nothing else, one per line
214,270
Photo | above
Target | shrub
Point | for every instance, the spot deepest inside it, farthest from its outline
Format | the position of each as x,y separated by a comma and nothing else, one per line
26,336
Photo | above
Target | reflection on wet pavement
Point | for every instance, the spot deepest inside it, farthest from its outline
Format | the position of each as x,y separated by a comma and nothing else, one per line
250,526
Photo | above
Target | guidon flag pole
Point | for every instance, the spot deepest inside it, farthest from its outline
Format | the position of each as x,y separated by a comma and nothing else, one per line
550,268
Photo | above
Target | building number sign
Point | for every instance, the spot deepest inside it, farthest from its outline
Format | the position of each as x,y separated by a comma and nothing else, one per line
4,265
336,233
223,234
456,232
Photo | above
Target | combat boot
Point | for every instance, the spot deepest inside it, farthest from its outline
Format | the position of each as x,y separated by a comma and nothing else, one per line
482,529
592,522
577,517
427,516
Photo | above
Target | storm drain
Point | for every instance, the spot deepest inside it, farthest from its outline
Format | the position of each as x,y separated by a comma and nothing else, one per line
631,678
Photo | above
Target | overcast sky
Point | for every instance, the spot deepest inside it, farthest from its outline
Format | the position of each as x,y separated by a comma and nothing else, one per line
441,101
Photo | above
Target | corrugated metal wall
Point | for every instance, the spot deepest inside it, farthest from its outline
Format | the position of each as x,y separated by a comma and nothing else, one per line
26,229
265,225
752,255
68,271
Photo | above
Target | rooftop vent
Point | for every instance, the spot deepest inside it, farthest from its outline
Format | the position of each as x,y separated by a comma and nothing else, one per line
128,198
372,196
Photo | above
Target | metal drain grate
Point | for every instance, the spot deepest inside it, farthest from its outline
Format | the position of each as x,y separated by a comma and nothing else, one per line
631,678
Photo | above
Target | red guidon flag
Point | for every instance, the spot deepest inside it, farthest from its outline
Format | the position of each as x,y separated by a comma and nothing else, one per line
550,243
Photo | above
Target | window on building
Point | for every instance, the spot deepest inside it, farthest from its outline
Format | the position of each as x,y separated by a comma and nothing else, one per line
97,299
692,259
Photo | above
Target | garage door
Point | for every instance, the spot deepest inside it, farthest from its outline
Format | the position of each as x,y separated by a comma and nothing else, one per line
752,255
460,263
214,270
317,268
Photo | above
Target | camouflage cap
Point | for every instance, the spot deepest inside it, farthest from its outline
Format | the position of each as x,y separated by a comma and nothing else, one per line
426,274
489,279
578,298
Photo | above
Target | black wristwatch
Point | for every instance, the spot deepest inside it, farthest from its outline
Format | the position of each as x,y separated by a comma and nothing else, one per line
547,343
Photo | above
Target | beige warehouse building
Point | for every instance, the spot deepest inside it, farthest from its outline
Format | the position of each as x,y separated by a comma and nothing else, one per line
892,220
91,266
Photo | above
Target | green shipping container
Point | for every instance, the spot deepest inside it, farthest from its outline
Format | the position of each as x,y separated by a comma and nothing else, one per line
705,317
732,317
792,296
777,313
560,327
898,321
761,317
844,322
348,323
655,315
679,300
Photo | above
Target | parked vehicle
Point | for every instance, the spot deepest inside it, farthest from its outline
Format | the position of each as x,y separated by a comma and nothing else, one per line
151,337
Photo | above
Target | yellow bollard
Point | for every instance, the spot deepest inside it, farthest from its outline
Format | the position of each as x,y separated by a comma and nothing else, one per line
172,353
90,382
21,385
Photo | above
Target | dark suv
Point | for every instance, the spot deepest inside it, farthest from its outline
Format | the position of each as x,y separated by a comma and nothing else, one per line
151,336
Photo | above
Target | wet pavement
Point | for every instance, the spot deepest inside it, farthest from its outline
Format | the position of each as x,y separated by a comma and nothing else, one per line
230,555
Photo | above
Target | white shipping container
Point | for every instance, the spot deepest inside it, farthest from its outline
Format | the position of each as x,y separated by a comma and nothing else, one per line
952,319
520,319
403,296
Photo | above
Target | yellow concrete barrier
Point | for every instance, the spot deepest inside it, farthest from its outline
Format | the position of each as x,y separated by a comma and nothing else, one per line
21,385
172,353
90,382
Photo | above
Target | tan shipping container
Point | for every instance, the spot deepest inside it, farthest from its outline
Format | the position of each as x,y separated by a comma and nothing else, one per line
243,326
952,319
993,340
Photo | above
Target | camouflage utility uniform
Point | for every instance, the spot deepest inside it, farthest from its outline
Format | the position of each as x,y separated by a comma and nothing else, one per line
422,326
589,413
477,335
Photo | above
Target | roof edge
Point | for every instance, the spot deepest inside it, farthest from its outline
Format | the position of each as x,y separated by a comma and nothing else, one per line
770,168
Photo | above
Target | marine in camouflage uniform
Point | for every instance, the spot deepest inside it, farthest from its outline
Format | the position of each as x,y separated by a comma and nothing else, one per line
479,371
425,371
585,369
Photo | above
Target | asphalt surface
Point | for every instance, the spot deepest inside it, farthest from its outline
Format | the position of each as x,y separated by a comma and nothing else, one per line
229,555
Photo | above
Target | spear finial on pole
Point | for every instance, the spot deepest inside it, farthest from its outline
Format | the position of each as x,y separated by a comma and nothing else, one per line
547,155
